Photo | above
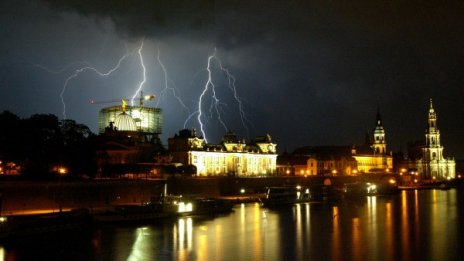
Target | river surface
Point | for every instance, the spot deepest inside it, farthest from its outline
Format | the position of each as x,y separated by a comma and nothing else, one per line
412,225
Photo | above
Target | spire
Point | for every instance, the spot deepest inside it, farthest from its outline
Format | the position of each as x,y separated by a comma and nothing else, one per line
378,119
432,120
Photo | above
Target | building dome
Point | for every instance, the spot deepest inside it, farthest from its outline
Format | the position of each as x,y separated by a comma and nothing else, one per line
124,122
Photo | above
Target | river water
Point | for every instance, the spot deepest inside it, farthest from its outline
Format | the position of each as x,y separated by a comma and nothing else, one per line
413,225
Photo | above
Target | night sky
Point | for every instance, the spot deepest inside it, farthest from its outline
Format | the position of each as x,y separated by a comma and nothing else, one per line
307,72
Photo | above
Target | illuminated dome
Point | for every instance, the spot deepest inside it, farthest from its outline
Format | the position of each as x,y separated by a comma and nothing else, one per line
124,122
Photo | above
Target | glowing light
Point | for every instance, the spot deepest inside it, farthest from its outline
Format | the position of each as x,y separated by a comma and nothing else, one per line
62,170
415,180
371,188
298,187
185,207
3,219
242,191
392,181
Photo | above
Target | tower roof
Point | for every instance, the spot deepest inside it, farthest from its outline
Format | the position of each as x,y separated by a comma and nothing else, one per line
378,118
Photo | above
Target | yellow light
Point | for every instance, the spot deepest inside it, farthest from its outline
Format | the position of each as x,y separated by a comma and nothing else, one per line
392,181
355,171
415,180
288,171
298,187
448,178
387,170
3,219
403,170
62,170
302,172
334,171
434,178
242,191
459,176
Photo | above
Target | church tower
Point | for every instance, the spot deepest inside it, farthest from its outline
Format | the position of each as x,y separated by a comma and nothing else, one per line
433,165
380,145
432,149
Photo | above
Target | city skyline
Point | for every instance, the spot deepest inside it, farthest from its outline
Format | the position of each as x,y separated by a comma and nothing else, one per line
307,74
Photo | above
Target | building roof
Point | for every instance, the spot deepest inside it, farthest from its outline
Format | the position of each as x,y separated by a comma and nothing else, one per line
124,122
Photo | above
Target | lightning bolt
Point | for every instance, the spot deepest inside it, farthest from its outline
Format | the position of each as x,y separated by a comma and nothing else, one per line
189,118
78,71
167,87
65,68
231,84
215,101
144,75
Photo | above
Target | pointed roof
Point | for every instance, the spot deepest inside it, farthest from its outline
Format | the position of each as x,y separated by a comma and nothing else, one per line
378,118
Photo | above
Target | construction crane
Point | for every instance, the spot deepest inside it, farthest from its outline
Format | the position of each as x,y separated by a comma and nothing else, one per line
142,99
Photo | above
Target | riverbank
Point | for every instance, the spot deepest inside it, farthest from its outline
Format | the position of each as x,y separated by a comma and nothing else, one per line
22,197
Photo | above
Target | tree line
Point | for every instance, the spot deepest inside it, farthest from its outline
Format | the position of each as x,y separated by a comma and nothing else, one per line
42,142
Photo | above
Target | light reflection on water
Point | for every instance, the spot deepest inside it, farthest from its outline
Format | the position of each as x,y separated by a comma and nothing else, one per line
413,225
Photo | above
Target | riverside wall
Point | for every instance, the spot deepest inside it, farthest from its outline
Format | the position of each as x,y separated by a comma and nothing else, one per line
21,197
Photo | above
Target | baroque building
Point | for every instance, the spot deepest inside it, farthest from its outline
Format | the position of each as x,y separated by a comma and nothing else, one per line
371,157
433,165
233,156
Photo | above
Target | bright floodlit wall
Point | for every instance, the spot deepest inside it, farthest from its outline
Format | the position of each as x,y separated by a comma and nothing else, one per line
232,163
147,119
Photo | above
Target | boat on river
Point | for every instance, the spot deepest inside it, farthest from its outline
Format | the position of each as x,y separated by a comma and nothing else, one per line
166,207
280,196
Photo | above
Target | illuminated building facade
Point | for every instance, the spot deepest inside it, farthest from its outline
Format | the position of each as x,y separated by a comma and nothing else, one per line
372,157
433,165
129,139
232,156
318,160
145,119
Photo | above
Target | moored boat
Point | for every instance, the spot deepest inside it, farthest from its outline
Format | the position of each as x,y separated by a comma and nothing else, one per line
279,196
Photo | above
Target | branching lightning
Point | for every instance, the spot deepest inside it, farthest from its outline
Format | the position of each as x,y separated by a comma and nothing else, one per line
77,72
233,88
167,87
215,101
189,118
62,69
144,75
